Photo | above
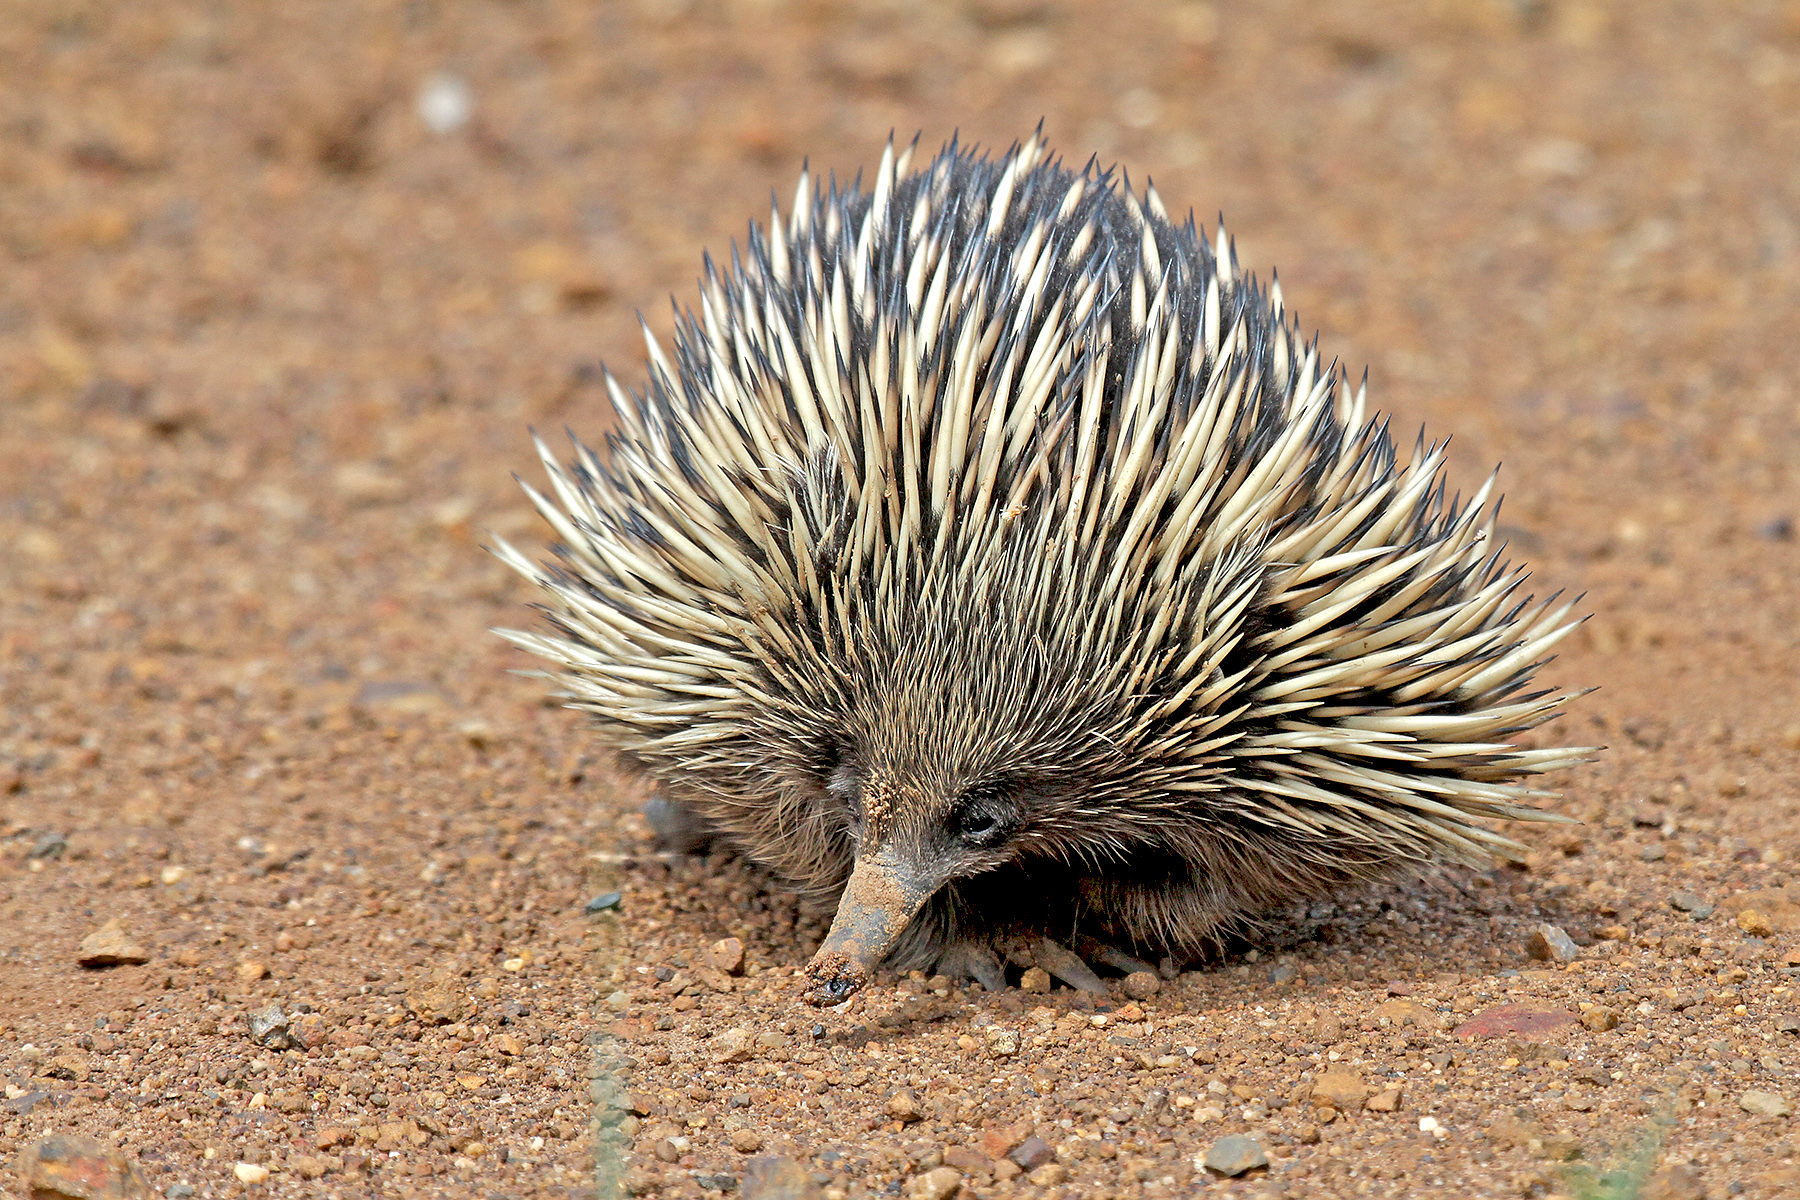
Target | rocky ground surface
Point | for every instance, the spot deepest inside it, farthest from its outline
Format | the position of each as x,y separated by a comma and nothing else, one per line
302,893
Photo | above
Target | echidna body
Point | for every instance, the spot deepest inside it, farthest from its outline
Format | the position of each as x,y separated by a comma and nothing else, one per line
993,557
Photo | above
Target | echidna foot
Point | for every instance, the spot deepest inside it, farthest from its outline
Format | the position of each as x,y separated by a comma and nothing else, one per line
973,960
1110,956
1058,960
678,828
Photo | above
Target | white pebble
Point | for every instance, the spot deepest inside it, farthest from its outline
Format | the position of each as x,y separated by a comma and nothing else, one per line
445,103
250,1174
1430,1125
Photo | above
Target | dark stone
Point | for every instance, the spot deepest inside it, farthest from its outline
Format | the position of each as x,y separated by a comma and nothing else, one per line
22,1105
1234,1155
49,845
1691,904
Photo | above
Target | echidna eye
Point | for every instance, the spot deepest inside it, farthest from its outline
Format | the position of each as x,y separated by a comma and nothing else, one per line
980,823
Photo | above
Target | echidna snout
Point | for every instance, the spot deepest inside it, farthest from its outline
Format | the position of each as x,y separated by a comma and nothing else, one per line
880,899
909,845
994,557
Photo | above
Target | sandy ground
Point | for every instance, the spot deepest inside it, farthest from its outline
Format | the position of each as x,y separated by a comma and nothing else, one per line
270,344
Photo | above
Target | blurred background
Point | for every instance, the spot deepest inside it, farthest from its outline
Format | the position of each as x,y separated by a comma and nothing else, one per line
316,267
284,285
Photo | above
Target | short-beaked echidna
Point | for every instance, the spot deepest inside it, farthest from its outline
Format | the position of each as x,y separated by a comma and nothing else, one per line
993,557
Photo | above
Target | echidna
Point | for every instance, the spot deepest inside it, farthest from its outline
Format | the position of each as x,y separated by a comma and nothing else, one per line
994,557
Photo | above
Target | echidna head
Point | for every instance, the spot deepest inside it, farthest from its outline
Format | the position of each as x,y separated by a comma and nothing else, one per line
972,728
914,833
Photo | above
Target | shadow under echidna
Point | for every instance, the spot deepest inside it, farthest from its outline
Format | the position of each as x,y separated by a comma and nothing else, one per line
993,557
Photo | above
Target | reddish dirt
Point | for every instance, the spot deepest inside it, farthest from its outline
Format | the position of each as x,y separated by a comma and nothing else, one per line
269,351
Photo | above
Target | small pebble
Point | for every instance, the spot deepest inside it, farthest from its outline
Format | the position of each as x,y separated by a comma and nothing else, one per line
1600,1018
1036,980
727,955
250,1174
268,1026
746,1141
1384,1101
1755,922
968,1160
111,946
1691,904
1339,1089
1141,985
774,1178
1550,943
734,1045
939,1183
904,1107
64,1165
997,1141
1032,1153
1234,1155
48,845
1764,1104
444,103
604,902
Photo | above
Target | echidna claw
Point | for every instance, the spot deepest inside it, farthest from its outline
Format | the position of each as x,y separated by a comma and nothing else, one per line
975,960
1112,956
1066,965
